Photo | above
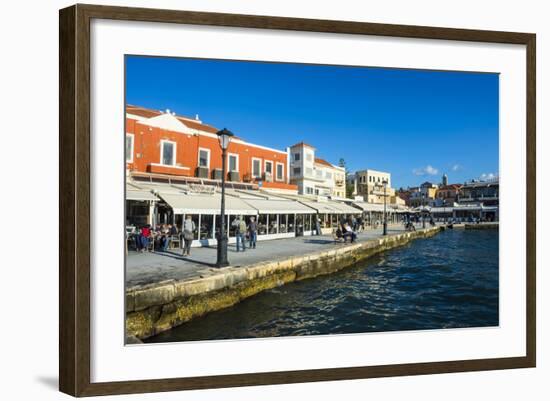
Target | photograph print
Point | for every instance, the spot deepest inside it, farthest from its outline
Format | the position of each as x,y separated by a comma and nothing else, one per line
267,199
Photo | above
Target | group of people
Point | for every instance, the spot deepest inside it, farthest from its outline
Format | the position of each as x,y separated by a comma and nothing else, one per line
348,229
160,237
243,231
410,219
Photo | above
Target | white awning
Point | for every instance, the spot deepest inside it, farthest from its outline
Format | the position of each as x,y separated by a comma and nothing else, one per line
371,207
140,195
320,207
331,207
345,208
205,204
266,206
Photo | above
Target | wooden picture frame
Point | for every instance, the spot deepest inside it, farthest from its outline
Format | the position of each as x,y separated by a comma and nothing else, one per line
74,199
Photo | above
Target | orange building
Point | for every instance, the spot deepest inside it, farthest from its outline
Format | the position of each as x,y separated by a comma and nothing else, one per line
163,143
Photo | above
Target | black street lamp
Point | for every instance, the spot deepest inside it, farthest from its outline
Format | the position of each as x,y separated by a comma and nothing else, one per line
385,231
224,137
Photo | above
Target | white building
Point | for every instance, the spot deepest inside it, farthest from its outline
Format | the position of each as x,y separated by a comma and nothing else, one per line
370,185
315,176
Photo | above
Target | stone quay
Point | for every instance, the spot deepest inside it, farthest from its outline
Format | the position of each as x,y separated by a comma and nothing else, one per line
154,307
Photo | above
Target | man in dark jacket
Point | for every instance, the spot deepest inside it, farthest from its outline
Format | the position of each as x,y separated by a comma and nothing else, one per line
252,233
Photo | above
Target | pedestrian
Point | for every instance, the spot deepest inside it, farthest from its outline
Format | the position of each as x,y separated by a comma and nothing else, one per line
188,235
144,235
240,232
252,232
318,225
165,239
360,224
353,223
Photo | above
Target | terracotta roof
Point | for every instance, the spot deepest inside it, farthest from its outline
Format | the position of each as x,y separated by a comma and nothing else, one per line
139,111
324,162
303,144
189,122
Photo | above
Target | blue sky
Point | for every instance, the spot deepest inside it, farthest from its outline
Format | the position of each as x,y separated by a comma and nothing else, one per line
414,124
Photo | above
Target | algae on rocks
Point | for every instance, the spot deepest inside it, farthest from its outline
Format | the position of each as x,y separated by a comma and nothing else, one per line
155,308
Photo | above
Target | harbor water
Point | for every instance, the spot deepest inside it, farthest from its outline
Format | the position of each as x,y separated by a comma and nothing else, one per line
447,281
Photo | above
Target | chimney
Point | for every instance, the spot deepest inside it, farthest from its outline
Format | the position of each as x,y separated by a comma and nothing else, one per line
197,117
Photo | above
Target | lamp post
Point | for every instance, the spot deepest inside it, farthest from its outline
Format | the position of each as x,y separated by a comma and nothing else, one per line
385,230
224,136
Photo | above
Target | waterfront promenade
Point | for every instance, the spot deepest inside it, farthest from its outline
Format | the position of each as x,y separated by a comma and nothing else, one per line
150,268
174,291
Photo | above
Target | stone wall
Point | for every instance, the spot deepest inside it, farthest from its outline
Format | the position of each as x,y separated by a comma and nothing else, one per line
154,308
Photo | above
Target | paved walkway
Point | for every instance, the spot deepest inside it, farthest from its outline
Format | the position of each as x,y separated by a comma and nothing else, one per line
147,268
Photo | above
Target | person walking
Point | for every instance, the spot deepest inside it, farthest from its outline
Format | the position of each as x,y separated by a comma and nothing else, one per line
252,232
353,223
240,231
318,225
188,229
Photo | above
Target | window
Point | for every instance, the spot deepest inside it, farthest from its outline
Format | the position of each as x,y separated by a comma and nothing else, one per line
296,157
167,153
309,190
129,148
319,173
309,171
269,167
262,224
282,223
272,224
297,170
309,157
328,175
233,162
256,167
207,225
280,172
204,157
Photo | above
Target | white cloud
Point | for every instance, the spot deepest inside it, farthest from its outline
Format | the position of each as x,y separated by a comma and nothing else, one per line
456,167
488,176
428,170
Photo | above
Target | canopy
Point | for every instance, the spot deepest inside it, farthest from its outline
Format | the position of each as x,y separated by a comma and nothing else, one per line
372,207
345,208
205,204
278,206
140,195
331,207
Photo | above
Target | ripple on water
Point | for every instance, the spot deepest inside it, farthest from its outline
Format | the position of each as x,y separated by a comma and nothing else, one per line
447,281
